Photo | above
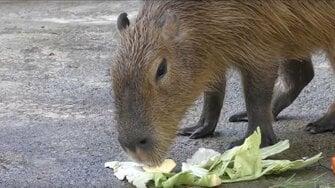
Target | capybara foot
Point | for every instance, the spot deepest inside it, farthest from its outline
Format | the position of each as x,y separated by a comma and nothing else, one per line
243,117
236,143
266,141
239,117
325,124
198,131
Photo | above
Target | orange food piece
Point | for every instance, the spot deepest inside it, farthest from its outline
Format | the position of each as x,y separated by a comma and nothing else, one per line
333,164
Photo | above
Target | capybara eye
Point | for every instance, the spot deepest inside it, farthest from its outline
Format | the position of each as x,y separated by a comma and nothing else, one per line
162,69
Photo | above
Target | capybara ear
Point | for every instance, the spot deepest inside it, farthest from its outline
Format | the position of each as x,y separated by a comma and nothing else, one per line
169,24
122,21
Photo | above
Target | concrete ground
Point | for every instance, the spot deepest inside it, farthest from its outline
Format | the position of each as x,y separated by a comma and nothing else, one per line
56,111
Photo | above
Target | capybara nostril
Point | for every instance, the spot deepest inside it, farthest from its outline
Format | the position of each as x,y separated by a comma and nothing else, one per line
143,141
135,143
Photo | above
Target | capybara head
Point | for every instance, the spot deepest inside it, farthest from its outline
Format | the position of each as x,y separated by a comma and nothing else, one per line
155,79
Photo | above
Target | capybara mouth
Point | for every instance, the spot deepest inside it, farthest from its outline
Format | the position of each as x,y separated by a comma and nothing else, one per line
147,158
145,149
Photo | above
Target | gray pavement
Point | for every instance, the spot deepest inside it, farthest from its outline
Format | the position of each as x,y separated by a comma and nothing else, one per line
56,110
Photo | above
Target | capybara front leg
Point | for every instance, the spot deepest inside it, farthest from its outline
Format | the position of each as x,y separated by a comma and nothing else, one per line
213,100
258,89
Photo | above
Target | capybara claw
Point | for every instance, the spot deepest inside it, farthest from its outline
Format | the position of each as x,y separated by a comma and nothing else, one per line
320,127
196,132
239,117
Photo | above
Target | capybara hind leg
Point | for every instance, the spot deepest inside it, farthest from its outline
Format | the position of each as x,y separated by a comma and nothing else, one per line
210,115
258,90
324,124
327,122
294,75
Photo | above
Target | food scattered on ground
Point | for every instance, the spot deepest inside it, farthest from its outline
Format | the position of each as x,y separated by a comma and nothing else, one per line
293,182
209,168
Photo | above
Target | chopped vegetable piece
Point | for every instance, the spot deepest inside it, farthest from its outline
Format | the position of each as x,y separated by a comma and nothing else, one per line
167,166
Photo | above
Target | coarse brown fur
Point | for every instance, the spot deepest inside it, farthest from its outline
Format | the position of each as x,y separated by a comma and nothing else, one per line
200,40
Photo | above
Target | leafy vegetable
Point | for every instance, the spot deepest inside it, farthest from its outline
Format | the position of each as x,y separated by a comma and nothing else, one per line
187,178
208,168
128,170
293,183
274,149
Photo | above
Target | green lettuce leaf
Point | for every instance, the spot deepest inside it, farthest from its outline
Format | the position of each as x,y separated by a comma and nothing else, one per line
208,168
274,149
187,178
279,166
182,178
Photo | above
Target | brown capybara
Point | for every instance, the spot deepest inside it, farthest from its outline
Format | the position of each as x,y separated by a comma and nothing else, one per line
176,50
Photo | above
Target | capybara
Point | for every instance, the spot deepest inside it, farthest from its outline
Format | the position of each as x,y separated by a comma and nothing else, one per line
176,50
